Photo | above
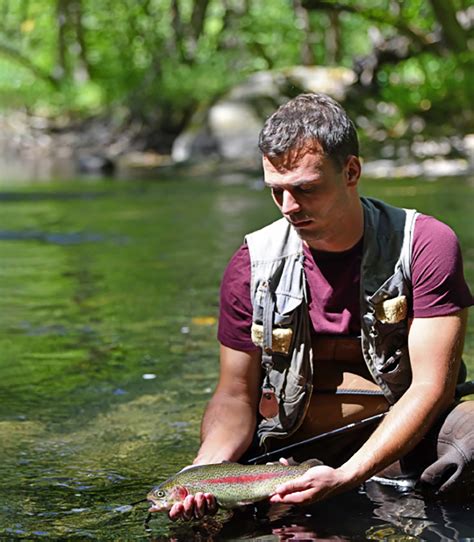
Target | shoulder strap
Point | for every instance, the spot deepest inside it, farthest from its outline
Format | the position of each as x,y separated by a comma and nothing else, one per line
407,246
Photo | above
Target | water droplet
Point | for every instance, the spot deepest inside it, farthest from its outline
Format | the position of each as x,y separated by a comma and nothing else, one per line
149,376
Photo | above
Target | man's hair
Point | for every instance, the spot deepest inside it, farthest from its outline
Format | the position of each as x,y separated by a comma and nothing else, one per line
308,118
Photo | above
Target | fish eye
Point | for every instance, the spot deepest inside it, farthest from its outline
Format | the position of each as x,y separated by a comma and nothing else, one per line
160,494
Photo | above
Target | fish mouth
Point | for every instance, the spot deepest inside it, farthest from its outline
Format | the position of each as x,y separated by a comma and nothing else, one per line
155,505
154,508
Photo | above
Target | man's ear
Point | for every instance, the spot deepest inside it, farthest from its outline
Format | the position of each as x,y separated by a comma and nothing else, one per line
352,169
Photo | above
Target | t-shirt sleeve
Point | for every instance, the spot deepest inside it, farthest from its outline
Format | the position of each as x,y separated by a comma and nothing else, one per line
235,312
439,286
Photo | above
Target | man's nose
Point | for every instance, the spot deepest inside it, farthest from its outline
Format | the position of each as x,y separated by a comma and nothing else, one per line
289,204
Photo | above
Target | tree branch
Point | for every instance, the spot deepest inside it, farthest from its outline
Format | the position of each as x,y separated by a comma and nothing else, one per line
178,30
453,32
198,18
24,61
377,15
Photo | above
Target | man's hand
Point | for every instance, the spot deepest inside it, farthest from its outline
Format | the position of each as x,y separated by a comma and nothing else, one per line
315,484
194,507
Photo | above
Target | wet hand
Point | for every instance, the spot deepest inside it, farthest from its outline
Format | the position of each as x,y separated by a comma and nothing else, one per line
315,484
194,507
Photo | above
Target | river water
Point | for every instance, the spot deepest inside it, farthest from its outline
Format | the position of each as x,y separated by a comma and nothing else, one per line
108,356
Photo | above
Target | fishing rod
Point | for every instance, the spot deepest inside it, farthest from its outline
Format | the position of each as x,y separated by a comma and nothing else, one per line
463,389
321,436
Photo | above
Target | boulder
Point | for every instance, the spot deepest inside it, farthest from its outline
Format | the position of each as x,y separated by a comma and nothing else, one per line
95,164
229,129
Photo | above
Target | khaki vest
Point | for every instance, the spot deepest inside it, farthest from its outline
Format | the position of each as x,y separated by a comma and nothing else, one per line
281,324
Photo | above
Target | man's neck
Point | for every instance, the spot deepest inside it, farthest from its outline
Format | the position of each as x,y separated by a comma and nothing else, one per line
344,236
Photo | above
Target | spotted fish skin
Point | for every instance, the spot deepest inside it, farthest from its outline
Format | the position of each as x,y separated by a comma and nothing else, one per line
232,484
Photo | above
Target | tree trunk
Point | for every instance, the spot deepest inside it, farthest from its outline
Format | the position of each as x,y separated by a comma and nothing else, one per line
62,20
76,11
333,39
178,30
198,18
453,32
307,53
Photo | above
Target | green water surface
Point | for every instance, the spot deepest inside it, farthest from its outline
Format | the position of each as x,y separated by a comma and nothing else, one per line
108,355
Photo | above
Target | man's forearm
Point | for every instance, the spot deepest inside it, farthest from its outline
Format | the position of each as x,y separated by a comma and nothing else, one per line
227,430
435,346
403,427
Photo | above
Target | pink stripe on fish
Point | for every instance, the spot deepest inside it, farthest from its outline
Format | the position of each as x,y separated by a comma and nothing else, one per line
242,479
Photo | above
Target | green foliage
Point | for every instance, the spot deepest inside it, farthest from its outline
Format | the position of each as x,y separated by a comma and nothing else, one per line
83,57
419,87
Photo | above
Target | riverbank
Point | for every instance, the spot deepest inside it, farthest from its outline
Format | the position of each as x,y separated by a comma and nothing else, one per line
35,149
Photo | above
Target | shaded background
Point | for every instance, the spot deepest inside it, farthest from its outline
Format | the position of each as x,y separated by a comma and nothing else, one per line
135,75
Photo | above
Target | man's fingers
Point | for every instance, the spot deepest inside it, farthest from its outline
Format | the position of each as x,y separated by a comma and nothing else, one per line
211,503
297,484
200,505
297,497
194,506
188,507
176,511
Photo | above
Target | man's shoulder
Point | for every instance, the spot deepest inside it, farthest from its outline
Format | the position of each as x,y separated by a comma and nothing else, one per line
429,229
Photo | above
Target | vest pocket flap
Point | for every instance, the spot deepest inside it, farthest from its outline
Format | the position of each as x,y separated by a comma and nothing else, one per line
281,338
285,304
392,311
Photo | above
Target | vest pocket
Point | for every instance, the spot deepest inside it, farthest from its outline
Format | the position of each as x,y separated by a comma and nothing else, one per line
395,370
391,363
284,321
291,386
281,338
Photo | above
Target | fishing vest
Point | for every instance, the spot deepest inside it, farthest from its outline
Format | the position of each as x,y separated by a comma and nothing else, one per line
281,324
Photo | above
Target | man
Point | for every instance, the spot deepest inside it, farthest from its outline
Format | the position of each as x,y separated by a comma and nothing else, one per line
345,308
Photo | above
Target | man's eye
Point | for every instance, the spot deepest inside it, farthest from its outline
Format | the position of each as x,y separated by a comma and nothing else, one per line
306,188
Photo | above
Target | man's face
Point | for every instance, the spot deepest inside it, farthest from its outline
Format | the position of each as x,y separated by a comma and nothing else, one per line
312,193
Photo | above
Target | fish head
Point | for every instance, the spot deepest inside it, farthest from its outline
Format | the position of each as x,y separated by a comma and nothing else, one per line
163,497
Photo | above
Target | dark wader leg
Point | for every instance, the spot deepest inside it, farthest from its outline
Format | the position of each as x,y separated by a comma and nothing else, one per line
452,472
443,462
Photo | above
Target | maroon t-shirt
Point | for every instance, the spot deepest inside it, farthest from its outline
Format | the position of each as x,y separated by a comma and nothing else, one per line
439,287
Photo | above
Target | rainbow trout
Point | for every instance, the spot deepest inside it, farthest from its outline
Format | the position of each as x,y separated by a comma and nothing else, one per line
231,484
